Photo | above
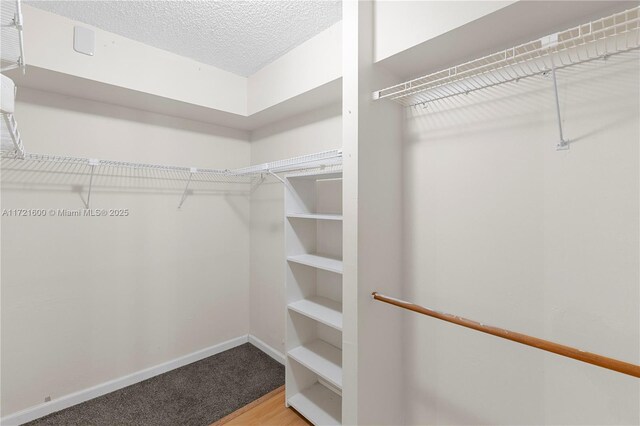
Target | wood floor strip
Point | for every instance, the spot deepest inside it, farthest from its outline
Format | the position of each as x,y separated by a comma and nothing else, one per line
266,410
226,419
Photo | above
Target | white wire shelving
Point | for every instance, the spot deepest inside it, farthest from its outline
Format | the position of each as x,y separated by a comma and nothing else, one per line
321,161
11,56
12,41
597,39
242,175
21,168
78,172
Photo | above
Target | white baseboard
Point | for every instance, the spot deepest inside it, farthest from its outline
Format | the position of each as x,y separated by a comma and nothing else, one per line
277,355
75,398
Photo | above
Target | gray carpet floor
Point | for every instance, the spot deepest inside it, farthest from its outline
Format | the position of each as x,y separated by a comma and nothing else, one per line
197,394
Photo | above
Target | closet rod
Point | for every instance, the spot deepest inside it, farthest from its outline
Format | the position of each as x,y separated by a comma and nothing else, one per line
588,357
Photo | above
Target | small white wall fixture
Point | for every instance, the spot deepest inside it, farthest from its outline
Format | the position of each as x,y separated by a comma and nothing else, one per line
84,40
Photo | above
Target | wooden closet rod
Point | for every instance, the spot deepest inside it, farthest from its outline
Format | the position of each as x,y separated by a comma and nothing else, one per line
556,348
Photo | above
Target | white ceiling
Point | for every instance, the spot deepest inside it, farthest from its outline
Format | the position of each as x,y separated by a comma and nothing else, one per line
236,36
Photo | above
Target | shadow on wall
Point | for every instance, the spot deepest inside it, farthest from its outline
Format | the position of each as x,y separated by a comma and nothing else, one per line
298,121
457,414
529,101
56,101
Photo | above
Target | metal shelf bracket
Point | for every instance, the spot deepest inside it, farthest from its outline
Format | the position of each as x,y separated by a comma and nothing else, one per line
277,177
192,171
92,163
563,144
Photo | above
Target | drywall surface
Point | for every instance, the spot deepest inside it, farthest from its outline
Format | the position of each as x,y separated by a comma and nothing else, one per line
130,73
373,389
399,25
315,62
503,229
305,134
122,62
236,36
90,299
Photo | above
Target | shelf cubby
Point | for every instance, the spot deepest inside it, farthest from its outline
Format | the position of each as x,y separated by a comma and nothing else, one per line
321,309
322,358
318,404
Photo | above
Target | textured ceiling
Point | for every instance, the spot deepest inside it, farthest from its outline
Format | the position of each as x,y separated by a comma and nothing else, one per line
236,36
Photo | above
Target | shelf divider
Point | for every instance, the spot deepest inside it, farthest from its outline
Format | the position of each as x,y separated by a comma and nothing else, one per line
321,309
319,216
320,262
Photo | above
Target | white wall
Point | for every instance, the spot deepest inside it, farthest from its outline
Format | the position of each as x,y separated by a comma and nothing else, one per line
191,85
373,389
502,229
312,64
49,45
86,300
305,134
399,25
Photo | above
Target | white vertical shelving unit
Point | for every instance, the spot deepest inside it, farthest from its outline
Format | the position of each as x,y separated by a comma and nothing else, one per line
313,238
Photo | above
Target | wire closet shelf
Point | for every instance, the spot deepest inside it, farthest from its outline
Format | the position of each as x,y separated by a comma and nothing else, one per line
597,39
122,175
12,42
45,162
11,56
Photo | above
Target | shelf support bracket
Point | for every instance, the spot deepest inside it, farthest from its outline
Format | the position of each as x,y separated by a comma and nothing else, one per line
563,144
93,163
18,24
257,184
186,188
277,177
